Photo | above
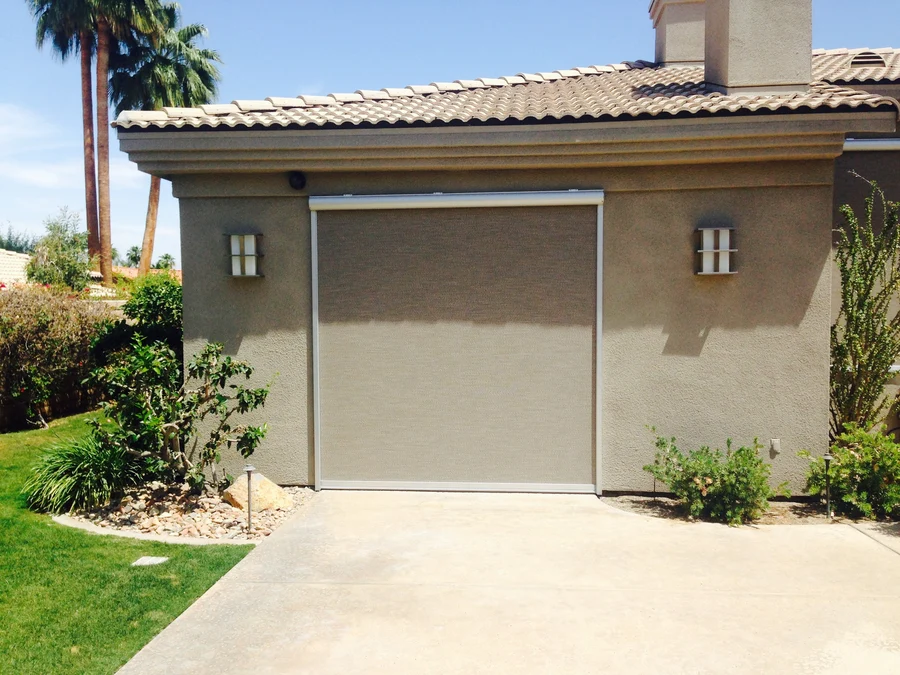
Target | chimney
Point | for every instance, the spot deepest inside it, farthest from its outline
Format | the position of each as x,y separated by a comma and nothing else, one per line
759,46
679,28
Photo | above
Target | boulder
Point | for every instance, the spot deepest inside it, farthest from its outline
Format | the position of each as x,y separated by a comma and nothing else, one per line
266,495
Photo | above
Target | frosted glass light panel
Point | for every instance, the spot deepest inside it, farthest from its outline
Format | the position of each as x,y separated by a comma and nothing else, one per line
716,251
245,255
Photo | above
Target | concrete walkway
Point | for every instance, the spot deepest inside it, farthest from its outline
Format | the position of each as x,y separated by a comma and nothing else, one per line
367,582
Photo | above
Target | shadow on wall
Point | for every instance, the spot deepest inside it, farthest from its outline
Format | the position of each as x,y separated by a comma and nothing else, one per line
782,239
484,266
507,265
882,167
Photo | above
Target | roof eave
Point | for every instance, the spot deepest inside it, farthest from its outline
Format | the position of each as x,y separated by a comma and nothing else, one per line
715,139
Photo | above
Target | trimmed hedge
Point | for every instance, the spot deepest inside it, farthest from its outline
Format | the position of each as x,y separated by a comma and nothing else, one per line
45,354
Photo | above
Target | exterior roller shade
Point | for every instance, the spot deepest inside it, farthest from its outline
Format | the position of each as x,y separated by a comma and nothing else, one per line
457,345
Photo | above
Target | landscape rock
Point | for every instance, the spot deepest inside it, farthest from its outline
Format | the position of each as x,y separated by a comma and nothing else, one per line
266,494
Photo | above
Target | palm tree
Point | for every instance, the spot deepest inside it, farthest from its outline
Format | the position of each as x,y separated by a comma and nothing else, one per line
115,19
68,26
172,71
95,23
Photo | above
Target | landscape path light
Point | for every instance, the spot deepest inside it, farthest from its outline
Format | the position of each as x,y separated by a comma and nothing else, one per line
249,468
828,457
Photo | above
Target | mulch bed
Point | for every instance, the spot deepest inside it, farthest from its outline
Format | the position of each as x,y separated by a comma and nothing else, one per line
779,513
173,511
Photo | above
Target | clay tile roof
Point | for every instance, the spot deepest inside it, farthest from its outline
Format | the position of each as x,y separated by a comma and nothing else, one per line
250,106
634,89
849,66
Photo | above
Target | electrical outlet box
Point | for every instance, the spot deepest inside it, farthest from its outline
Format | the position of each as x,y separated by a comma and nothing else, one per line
775,446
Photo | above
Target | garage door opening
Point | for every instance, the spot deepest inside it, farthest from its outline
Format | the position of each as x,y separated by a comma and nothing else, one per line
456,341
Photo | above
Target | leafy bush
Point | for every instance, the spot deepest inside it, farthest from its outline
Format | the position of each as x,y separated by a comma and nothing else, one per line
156,416
156,301
865,338
61,256
45,354
80,475
155,314
730,487
865,474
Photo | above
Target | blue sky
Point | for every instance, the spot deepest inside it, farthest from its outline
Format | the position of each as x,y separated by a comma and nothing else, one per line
285,48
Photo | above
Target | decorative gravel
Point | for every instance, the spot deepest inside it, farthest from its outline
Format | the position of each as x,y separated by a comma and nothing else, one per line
779,513
173,511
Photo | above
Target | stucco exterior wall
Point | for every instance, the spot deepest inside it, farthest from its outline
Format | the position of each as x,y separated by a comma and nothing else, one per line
702,359
707,358
264,321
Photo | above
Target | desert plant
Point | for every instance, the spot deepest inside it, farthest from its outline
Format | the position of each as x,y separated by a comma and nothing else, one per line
61,255
865,339
156,417
81,474
864,474
45,353
730,487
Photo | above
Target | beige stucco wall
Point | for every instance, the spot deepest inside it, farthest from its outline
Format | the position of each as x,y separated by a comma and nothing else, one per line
699,358
264,321
680,31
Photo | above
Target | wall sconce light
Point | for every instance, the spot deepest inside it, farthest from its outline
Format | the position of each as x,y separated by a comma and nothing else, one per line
716,246
245,255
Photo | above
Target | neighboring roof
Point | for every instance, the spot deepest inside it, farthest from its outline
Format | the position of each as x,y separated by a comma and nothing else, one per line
12,266
629,90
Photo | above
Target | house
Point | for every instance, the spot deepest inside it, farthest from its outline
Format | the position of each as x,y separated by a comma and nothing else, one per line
499,284
12,267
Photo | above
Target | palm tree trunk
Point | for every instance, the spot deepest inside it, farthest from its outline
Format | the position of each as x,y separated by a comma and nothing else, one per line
150,226
90,168
103,149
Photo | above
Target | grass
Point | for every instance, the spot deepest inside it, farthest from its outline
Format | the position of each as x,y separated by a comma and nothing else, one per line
70,602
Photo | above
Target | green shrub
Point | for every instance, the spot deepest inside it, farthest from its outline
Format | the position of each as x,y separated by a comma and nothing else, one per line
730,487
156,417
45,354
61,256
156,301
865,474
154,313
81,475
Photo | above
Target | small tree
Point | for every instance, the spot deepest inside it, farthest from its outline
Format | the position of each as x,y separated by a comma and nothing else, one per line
157,416
61,256
865,339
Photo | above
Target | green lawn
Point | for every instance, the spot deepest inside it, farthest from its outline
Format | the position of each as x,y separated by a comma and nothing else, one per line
70,602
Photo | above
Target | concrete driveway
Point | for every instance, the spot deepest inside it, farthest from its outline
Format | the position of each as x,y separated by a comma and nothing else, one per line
394,582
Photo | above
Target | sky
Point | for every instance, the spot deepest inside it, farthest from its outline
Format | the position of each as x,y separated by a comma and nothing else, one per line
287,48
